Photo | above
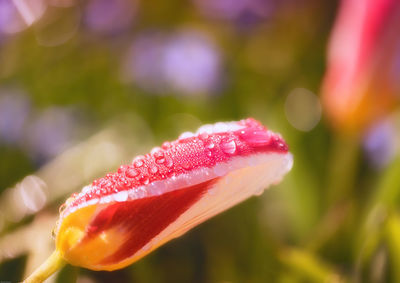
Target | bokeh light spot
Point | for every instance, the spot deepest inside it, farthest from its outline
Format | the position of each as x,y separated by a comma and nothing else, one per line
303,109
32,191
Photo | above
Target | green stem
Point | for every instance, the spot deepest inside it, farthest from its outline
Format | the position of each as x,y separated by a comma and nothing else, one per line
343,169
51,265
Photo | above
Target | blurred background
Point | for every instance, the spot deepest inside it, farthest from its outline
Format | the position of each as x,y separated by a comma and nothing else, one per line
87,85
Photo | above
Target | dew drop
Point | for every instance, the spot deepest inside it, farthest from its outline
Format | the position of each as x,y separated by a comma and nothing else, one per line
159,156
211,145
168,162
204,135
208,153
144,180
138,161
166,145
155,150
229,147
131,173
153,170
257,137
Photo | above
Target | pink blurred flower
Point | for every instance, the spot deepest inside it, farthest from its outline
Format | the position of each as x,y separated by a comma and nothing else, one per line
362,82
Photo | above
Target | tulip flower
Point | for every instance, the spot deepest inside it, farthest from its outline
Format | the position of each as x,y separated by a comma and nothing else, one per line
125,215
362,82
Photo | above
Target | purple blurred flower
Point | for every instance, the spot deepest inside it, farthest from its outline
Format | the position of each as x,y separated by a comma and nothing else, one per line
10,20
110,17
51,132
191,63
187,63
15,16
14,111
379,143
142,63
241,11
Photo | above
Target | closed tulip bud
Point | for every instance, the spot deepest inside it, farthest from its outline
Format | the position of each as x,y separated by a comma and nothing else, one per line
362,83
125,215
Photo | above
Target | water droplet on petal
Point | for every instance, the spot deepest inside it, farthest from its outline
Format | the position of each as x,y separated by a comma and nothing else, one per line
204,135
138,163
144,180
131,173
256,138
168,162
211,145
154,150
166,145
153,170
159,156
229,147
208,153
